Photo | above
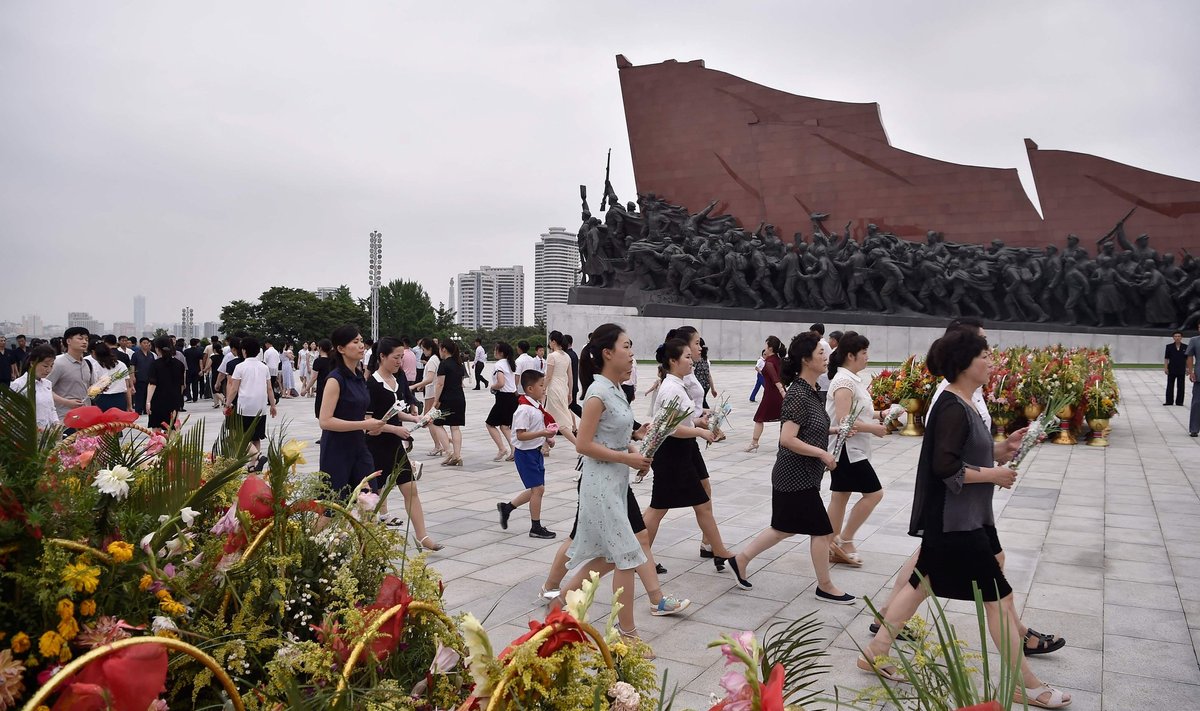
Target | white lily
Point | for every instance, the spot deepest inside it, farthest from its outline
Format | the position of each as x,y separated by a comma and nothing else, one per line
114,482
480,648
188,515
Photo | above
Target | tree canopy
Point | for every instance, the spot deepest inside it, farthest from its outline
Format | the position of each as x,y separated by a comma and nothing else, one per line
290,314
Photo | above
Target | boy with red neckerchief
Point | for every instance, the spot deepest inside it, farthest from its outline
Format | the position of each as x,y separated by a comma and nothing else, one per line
532,427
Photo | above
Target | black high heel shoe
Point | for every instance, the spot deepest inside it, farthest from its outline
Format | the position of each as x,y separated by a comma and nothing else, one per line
737,572
719,563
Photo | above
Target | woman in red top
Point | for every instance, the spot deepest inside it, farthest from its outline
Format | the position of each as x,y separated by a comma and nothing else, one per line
772,399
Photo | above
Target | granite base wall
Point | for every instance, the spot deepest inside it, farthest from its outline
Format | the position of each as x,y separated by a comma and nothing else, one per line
743,340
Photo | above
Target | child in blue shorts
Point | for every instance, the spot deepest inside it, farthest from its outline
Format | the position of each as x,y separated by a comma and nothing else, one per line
532,427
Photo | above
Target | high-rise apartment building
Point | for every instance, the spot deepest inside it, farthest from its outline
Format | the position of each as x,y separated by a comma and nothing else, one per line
478,296
555,271
212,328
83,318
324,292
31,326
124,328
491,295
139,315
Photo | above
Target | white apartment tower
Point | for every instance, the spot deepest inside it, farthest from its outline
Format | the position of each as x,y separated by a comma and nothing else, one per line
139,315
491,297
555,271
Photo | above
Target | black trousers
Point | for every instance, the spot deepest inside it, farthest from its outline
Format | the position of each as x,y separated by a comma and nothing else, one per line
193,385
139,397
1176,382
479,379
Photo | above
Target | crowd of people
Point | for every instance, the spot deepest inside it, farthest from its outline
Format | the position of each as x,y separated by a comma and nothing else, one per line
371,399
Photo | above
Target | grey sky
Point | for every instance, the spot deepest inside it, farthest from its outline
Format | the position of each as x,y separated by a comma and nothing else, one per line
202,152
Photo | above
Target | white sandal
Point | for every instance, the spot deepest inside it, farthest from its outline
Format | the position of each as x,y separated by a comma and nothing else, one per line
1057,698
633,636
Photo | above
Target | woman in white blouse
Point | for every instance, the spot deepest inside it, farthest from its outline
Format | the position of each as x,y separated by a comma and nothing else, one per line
854,473
41,361
678,463
441,443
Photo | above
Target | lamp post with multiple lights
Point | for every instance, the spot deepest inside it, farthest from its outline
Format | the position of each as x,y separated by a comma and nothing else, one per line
374,277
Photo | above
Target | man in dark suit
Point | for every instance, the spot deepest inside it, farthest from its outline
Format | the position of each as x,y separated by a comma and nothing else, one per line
1175,366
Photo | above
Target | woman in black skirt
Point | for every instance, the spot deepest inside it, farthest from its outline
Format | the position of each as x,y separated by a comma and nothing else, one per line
388,387
451,400
952,514
678,464
854,472
796,506
504,386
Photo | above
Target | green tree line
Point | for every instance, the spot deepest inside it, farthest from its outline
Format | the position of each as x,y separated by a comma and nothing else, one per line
288,315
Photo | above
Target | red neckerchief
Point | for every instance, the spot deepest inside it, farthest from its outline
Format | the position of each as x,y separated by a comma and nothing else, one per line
546,416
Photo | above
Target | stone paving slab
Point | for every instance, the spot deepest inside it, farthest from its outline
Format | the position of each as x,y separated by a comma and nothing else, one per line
1103,547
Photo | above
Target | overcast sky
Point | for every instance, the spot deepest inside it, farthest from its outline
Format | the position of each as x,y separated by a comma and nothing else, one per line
203,152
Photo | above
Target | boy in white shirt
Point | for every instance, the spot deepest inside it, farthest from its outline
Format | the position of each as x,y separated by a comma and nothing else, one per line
524,362
532,427
250,386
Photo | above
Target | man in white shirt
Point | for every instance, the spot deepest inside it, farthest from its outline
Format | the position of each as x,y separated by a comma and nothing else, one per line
524,362
480,362
250,384
271,357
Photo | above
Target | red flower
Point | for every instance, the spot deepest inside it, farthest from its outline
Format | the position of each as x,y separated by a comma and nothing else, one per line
568,634
255,498
392,592
126,680
772,691
985,706
234,541
86,416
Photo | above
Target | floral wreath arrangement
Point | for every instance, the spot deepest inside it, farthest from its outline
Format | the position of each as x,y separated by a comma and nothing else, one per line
128,553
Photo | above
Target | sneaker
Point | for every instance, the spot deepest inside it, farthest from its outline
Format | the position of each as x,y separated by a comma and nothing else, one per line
843,599
505,510
541,532
658,568
669,605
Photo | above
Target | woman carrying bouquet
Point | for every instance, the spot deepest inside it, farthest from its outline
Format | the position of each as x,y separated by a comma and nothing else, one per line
854,472
952,514
344,421
679,470
796,506
504,387
604,539
388,387
773,390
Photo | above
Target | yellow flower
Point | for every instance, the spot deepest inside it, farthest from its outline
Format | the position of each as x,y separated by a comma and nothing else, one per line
620,649
68,628
65,608
292,452
20,643
171,607
163,594
87,608
64,654
50,644
145,583
166,633
82,577
121,551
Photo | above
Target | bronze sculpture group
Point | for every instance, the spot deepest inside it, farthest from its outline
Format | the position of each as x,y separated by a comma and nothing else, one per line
701,258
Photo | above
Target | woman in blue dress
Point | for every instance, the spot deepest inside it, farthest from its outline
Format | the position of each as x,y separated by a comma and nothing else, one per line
344,422
604,539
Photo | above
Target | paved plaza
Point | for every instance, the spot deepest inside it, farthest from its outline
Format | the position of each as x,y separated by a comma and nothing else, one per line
1103,548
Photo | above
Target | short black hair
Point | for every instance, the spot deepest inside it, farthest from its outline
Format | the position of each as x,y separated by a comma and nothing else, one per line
531,376
75,331
523,346
20,336
836,336
250,347
109,339
1175,333
818,328
951,354
969,322
144,339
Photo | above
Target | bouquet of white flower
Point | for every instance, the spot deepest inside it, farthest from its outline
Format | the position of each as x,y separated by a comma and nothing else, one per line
434,414
892,414
844,428
105,382
1043,426
665,422
718,418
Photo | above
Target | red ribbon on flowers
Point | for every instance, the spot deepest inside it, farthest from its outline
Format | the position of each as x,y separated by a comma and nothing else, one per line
85,416
569,633
129,679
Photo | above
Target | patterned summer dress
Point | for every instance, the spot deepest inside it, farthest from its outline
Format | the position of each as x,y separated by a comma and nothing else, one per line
603,529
